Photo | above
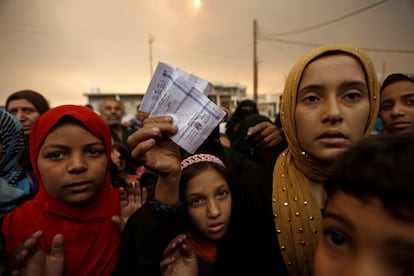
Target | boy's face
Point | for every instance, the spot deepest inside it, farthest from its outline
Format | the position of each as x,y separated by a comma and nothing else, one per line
72,164
361,238
397,107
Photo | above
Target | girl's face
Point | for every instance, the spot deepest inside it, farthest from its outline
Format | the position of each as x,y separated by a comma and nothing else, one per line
361,238
208,201
72,164
397,107
332,107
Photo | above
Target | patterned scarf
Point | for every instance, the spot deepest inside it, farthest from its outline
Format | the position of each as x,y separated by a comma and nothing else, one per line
14,182
297,214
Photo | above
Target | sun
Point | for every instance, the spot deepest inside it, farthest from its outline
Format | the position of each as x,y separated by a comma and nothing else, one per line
197,3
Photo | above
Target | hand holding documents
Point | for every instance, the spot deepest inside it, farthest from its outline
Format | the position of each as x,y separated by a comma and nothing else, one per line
182,96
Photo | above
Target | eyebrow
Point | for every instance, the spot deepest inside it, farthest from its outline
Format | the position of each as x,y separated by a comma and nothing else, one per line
344,84
341,219
55,145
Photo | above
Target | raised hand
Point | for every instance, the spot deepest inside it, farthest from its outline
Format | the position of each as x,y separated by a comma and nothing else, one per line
27,259
265,135
179,259
130,200
152,146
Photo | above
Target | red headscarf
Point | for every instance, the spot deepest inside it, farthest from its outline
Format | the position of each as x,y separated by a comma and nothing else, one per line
91,238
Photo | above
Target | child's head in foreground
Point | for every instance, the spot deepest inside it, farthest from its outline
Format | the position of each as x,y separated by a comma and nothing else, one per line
369,220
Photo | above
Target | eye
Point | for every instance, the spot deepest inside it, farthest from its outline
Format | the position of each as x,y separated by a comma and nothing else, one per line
353,95
310,99
95,151
196,201
54,155
335,238
223,193
410,100
385,106
28,110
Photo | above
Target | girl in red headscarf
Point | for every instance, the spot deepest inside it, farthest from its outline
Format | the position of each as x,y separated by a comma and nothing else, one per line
71,152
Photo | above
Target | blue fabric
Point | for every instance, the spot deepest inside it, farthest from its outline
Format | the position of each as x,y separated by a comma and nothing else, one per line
14,181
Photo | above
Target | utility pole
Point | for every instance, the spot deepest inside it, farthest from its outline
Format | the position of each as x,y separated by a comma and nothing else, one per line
255,60
150,40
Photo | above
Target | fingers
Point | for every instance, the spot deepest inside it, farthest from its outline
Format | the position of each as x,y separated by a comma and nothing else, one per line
57,246
265,135
174,244
257,128
152,128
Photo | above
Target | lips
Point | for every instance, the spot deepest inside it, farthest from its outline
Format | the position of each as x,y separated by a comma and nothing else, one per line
216,227
79,186
400,125
332,137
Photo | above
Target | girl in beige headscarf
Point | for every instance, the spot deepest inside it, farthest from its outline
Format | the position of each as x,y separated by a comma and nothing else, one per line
330,102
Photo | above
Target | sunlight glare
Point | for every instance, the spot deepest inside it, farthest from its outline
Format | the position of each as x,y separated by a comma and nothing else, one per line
197,3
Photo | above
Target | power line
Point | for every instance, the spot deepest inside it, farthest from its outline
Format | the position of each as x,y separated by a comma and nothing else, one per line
394,51
323,24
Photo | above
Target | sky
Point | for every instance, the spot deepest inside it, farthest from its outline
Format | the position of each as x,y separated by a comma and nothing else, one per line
64,48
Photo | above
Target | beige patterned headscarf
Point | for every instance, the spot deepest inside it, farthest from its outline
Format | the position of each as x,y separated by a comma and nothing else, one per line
297,214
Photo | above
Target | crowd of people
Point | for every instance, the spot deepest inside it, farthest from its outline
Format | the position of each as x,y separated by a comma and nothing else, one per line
319,191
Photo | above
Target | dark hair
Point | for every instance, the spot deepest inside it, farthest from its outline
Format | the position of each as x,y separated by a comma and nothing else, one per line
395,77
378,167
191,171
125,155
35,98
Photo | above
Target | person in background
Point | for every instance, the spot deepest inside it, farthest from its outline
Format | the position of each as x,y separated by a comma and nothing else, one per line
27,106
71,152
112,111
243,109
123,170
15,186
368,224
222,127
262,147
136,122
397,103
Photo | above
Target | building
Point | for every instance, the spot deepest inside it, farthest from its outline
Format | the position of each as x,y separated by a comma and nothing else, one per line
224,95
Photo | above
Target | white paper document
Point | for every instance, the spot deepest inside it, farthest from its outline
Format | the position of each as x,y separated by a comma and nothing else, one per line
182,96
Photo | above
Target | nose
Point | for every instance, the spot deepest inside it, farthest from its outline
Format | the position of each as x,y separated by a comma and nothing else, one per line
20,115
332,112
213,209
397,110
77,163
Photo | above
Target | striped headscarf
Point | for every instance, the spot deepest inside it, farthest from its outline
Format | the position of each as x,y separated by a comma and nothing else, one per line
14,182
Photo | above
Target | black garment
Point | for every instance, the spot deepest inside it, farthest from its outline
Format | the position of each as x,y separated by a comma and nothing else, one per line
250,246
144,238
126,131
